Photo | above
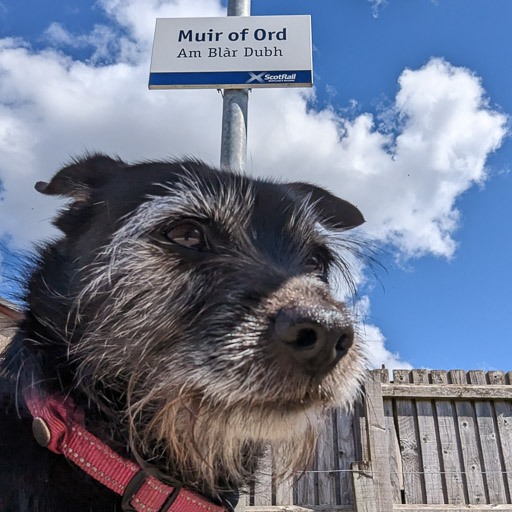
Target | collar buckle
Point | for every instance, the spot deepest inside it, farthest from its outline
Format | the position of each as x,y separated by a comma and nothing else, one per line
136,483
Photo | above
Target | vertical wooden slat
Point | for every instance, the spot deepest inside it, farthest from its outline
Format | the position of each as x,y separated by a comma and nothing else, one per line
361,432
378,444
284,492
346,454
448,439
305,487
409,447
468,433
263,485
488,439
429,444
364,487
395,460
503,411
495,377
326,464
243,502
282,482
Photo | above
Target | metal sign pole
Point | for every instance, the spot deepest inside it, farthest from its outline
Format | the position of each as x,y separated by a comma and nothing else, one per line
233,148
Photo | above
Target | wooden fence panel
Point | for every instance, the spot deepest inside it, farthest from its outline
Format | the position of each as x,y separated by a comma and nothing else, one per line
364,485
395,458
378,442
428,441
504,423
488,435
451,452
326,464
263,486
282,482
346,451
468,432
305,487
414,489
428,436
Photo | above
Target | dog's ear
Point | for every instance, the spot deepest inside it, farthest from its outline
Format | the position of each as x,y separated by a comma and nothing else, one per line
80,178
335,213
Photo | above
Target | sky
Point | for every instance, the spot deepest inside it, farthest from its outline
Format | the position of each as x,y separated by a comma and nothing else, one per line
408,119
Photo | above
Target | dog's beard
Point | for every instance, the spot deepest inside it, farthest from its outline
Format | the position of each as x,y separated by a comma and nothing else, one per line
211,444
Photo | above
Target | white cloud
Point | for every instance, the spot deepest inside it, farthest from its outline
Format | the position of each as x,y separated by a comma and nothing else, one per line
102,39
373,342
376,5
407,193
376,352
405,180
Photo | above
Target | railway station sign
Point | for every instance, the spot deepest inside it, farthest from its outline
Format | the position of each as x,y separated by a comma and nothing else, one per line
232,52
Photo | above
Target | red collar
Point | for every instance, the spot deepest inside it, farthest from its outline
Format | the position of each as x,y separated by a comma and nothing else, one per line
58,426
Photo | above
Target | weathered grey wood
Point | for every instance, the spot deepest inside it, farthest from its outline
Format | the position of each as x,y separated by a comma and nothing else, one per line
496,377
263,485
428,438
378,445
384,376
451,454
282,482
284,492
345,445
395,459
468,433
361,432
398,508
326,464
452,391
489,444
453,508
305,487
243,501
503,412
364,487
297,508
414,490
439,377
400,377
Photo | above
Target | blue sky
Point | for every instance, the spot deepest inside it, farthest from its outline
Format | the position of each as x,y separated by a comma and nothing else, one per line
444,300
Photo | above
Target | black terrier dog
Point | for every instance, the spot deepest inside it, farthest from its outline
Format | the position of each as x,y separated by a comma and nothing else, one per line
182,322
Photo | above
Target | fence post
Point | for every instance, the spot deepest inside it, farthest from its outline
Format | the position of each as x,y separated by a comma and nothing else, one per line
364,488
378,442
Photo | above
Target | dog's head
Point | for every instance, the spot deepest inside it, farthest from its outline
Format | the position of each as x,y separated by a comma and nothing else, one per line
192,307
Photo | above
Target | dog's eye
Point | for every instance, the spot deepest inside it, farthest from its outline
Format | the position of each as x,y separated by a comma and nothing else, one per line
187,235
316,265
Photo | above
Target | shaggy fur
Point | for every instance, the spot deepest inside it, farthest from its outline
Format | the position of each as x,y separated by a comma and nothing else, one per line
160,312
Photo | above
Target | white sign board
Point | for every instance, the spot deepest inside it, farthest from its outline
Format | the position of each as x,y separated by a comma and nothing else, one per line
232,52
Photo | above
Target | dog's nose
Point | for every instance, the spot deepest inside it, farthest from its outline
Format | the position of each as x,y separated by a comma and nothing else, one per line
317,346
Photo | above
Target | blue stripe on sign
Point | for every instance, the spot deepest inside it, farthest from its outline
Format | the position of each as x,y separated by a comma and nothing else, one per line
248,78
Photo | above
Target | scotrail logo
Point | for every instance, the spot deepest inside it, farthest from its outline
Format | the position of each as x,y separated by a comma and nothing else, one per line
271,78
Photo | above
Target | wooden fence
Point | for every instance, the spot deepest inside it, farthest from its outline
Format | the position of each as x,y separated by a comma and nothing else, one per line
427,441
